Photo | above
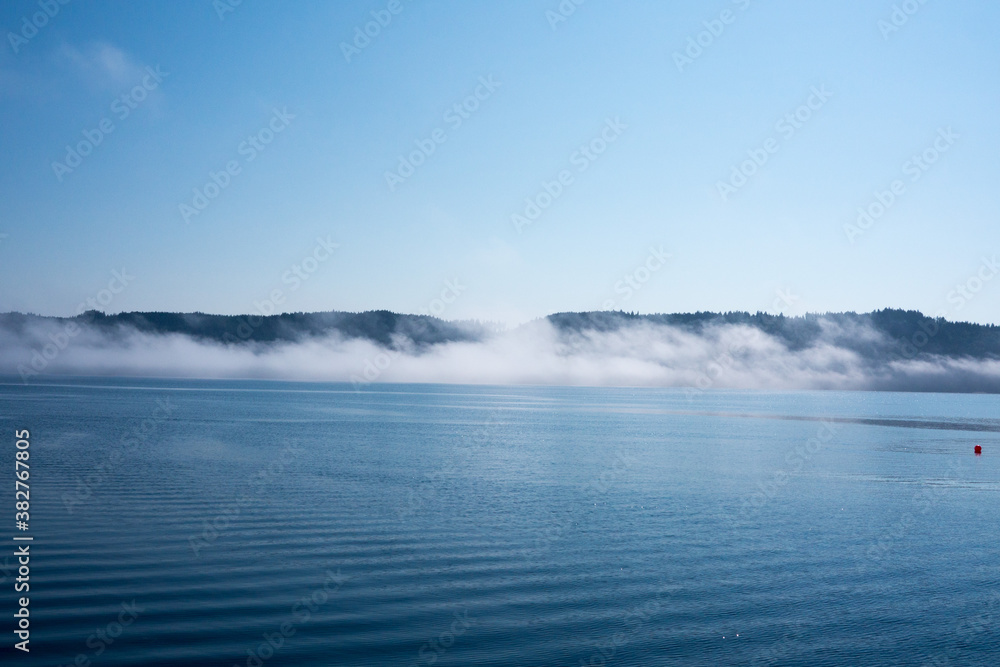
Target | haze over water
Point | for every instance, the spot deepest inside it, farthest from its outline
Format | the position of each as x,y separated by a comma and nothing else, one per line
457,525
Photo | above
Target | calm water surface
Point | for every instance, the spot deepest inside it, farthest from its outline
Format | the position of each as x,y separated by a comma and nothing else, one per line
251,523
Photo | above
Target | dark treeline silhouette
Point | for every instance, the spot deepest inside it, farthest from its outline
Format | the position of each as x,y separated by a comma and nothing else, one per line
379,326
877,336
904,333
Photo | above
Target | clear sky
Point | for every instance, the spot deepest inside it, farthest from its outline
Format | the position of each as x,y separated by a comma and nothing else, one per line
309,114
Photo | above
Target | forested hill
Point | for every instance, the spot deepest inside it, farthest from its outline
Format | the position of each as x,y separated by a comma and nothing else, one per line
879,335
378,326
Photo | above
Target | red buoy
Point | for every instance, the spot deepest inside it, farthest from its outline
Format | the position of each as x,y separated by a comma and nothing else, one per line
979,450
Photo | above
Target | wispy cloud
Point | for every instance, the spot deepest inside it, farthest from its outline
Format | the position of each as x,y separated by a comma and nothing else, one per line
102,65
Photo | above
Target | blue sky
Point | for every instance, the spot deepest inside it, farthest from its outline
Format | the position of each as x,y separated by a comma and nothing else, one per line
442,239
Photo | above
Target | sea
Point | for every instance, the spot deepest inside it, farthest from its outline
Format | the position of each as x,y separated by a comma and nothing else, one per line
251,523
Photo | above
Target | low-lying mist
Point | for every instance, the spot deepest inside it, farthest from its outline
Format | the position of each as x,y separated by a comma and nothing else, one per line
843,351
